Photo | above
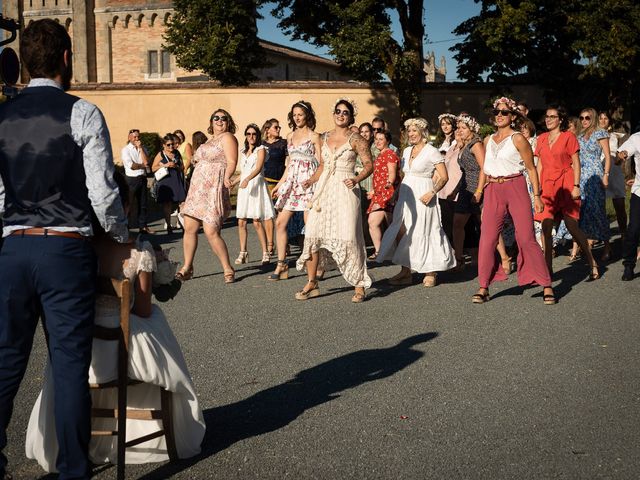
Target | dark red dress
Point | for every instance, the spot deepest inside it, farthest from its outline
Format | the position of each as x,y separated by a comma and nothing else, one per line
383,196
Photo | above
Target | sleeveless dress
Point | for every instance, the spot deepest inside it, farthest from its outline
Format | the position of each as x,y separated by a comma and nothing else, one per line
302,165
383,197
171,187
617,188
334,223
254,200
425,247
469,181
593,215
208,198
155,358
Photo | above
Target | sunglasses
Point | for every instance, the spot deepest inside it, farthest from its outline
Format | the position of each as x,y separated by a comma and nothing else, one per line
551,117
277,127
168,144
503,112
586,117
251,134
220,118
339,112
378,129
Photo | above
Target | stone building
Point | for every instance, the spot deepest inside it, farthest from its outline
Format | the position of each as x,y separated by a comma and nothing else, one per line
120,41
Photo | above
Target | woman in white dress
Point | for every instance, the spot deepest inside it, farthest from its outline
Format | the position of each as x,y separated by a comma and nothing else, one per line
253,199
334,232
415,239
155,358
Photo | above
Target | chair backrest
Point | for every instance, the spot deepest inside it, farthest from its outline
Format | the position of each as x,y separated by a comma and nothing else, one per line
120,288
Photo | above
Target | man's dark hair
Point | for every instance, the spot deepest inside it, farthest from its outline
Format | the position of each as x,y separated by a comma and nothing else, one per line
42,46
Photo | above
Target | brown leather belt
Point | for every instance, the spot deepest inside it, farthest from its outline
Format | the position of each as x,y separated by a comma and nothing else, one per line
47,233
503,179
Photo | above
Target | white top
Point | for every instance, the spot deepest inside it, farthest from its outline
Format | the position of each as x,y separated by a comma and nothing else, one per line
632,147
502,159
129,156
429,152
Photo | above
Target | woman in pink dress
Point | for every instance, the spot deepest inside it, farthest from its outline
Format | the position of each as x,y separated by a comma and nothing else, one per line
208,203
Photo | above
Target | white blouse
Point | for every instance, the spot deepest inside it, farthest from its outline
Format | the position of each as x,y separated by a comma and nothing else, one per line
503,159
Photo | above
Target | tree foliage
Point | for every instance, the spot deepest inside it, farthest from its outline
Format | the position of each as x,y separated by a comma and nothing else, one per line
358,35
553,43
218,37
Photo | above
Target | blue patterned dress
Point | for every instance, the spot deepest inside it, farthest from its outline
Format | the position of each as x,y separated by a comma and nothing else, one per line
593,215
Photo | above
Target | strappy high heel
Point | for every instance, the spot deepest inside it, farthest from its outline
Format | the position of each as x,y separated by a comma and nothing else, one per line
507,265
595,274
266,258
281,272
243,257
270,248
307,293
358,296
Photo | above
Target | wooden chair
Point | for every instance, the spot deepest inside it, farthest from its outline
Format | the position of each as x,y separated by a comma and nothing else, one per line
120,334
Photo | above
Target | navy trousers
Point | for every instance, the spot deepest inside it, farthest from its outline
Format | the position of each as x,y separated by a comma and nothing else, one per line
52,277
631,239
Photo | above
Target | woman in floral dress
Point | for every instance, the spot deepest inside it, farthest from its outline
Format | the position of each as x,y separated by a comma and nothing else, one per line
292,192
385,182
594,179
207,203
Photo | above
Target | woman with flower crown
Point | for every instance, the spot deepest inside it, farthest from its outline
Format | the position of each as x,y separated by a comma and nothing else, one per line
415,239
333,234
155,358
508,155
293,191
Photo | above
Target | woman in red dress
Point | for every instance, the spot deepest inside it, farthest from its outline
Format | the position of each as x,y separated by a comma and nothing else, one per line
559,171
385,181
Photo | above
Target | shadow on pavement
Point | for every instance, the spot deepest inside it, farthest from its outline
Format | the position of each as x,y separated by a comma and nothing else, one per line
278,406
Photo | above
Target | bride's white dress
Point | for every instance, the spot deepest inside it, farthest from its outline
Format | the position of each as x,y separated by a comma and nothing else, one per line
424,247
156,359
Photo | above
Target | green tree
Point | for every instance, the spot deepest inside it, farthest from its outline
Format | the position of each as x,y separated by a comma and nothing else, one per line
358,35
218,37
561,45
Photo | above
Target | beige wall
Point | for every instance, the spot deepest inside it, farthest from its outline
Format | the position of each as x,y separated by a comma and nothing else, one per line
188,108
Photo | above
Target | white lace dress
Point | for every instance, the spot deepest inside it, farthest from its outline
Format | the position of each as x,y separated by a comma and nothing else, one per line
424,247
156,359
334,223
253,201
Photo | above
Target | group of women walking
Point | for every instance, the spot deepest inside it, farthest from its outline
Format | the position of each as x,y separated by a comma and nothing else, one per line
426,198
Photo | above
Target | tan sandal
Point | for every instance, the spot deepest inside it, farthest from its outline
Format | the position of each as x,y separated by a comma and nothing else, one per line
281,272
306,294
481,297
430,280
185,275
359,296
230,277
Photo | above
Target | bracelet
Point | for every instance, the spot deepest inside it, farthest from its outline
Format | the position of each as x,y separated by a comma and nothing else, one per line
478,190
576,185
536,194
606,173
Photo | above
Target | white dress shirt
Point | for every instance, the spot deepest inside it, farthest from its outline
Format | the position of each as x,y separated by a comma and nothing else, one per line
632,147
130,155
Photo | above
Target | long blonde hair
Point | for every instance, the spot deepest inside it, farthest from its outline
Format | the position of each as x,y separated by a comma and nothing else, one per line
593,126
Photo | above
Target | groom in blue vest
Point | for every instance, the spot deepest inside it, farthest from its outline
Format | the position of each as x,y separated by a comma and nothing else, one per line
56,172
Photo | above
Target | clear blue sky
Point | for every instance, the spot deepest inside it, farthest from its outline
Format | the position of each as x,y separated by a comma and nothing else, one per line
440,17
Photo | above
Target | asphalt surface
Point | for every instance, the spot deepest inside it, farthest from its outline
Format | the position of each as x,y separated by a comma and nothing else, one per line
414,383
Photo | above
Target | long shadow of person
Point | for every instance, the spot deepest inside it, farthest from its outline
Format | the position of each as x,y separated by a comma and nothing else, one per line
278,406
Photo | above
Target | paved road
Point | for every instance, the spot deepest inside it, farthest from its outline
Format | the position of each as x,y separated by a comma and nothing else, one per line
414,383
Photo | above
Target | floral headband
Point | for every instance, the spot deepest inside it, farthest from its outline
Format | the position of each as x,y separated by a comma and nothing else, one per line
448,116
421,123
507,101
470,122
347,100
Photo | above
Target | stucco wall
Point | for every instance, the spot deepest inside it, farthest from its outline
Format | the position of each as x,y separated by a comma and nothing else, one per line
188,107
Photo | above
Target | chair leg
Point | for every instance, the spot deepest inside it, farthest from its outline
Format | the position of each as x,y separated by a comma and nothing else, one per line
166,404
122,412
